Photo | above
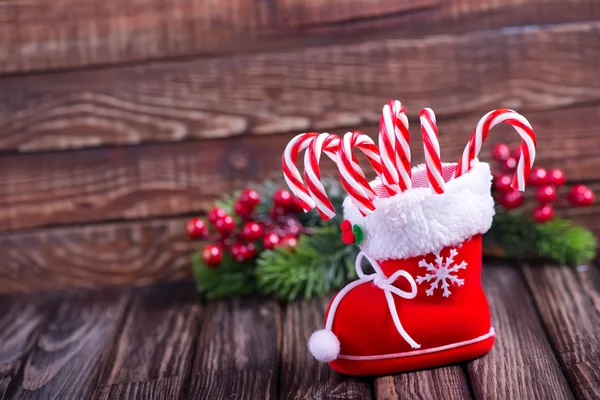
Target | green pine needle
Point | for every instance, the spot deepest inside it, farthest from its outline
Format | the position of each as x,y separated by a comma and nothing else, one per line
559,240
319,264
230,279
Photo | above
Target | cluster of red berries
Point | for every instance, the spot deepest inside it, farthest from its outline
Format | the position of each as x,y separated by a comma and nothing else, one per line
244,239
547,183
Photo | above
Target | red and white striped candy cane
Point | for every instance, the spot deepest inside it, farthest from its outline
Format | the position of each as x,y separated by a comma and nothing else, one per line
327,143
290,171
523,128
351,174
431,146
394,147
403,156
370,150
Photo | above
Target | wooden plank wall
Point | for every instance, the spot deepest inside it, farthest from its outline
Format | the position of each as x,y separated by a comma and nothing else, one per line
117,121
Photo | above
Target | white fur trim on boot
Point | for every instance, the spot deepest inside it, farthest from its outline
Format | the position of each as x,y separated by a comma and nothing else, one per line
420,221
324,345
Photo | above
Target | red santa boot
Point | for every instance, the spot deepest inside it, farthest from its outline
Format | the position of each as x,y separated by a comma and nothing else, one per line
420,230
423,306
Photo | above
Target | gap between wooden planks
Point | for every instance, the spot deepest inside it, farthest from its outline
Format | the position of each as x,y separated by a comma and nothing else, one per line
48,35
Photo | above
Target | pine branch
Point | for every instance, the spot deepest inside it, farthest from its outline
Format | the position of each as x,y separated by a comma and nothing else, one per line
320,264
322,248
230,279
559,240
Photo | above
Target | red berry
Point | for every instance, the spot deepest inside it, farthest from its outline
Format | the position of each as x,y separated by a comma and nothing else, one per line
216,214
250,198
294,230
512,199
516,152
538,177
283,198
578,188
500,152
293,226
502,183
252,231
509,164
196,228
543,213
276,212
271,241
346,225
289,242
212,255
225,225
236,249
546,194
581,195
249,251
348,237
556,177
242,210
242,252
224,243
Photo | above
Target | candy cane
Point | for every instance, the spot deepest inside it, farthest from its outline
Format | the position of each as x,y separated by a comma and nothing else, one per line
431,146
394,146
387,149
403,155
352,177
523,128
290,171
329,144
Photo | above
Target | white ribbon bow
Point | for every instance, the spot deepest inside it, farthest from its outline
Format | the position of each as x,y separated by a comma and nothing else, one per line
384,283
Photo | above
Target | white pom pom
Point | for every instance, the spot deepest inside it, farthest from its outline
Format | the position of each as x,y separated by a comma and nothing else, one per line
324,345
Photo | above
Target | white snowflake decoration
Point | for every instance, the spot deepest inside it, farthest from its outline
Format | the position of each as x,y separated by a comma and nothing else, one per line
442,272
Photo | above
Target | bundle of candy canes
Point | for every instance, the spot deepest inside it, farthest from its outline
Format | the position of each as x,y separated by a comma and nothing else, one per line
405,228
391,159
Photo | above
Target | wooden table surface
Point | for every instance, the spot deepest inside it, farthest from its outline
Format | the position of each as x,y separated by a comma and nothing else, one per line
165,342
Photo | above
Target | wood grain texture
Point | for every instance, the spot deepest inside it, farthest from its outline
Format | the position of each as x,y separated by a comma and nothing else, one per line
105,184
440,383
48,34
303,377
164,180
237,353
153,355
138,253
21,321
522,363
589,276
161,389
127,253
315,88
572,323
67,356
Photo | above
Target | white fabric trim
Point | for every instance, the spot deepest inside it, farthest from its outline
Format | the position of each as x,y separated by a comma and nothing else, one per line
419,221
481,338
